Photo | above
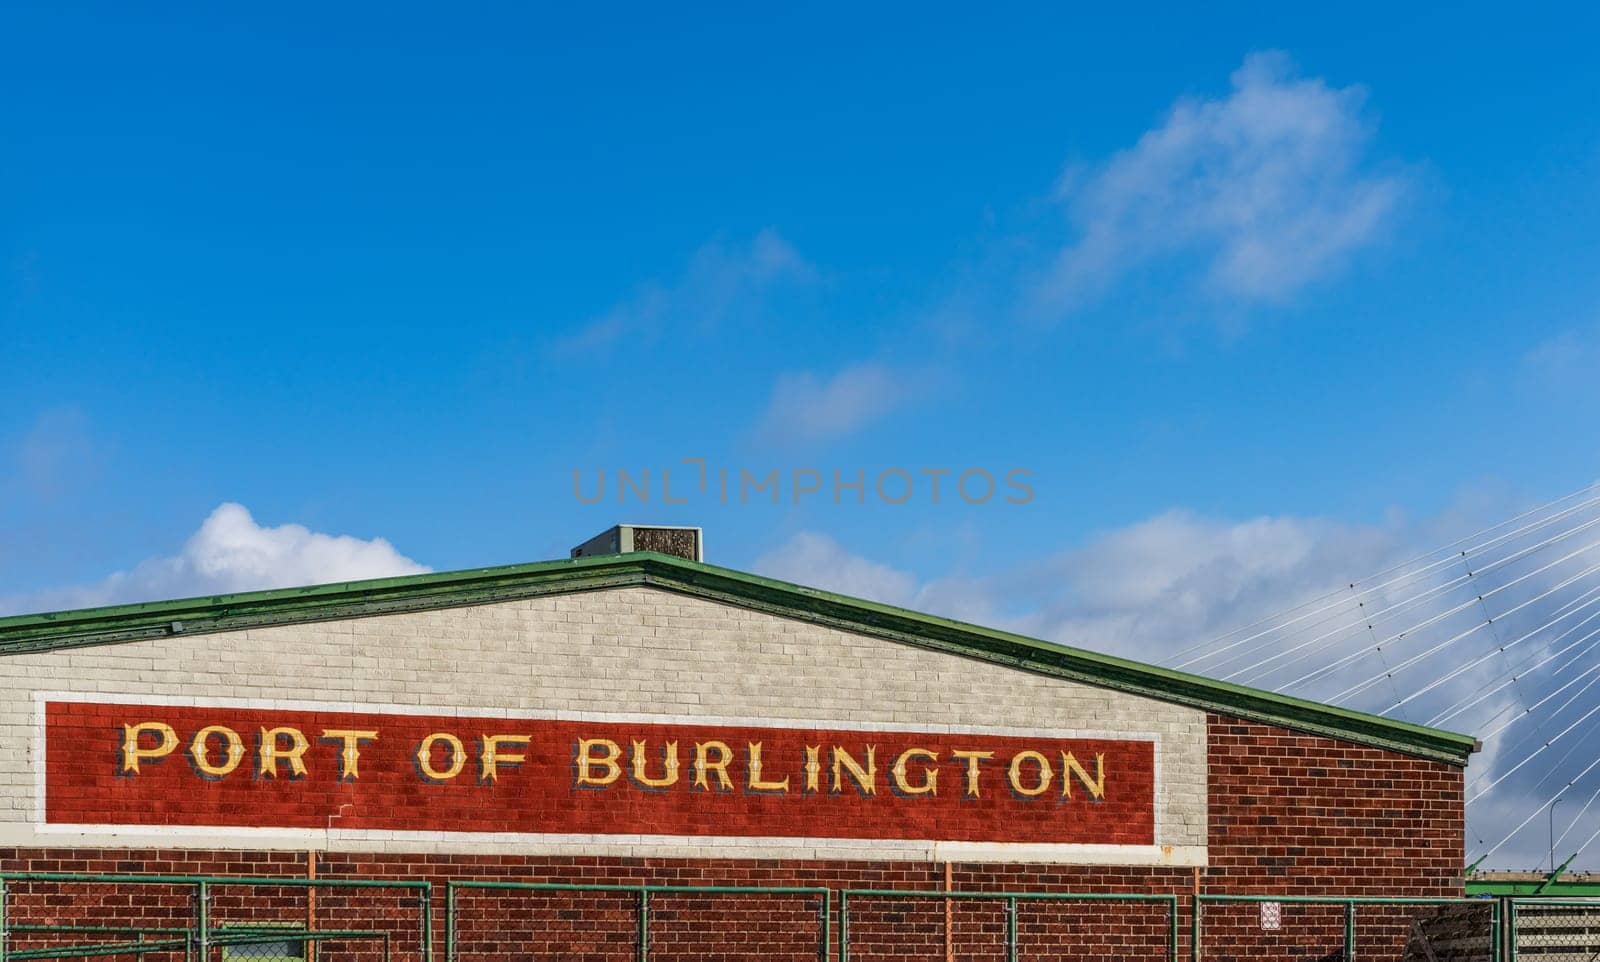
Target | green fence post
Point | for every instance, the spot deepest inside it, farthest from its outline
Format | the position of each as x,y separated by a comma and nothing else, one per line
1513,928
644,924
202,920
1349,931
1011,929
1495,923
844,926
449,922
425,897
822,950
5,920
1194,927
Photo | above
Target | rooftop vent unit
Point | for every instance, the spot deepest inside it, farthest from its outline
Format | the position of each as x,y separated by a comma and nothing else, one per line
679,542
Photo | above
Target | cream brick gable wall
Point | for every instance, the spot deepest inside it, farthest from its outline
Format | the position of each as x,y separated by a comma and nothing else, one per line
638,651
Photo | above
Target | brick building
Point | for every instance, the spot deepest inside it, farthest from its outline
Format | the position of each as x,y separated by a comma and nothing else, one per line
647,720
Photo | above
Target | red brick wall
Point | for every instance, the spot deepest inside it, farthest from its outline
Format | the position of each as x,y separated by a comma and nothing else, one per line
1288,814
1299,814
1295,814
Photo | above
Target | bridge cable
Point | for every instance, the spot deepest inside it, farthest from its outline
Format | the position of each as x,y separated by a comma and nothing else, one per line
1405,602
1430,622
1531,815
1516,556
1404,564
1586,600
1514,672
1458,708
1422,655
1209,648
1536,705
1489,690
1515,768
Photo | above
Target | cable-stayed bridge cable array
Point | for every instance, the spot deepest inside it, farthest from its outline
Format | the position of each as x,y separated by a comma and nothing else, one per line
1496,633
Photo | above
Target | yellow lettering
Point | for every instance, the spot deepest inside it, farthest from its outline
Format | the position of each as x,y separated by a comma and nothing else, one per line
458,757
1071,767
133,752
586,761
704,765
930,775
233,752
1045,773
973,759
813,769
490,757
268,754
350,754
865,778
756,783
669,763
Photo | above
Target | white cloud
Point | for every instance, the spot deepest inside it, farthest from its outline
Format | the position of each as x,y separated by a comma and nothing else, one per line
722,282
1153,589
231,552
1173,579
1145,591
818,561
1266,187
56,453
1565,362
807,407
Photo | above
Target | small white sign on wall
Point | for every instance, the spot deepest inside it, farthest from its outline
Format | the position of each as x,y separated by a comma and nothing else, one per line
1271,916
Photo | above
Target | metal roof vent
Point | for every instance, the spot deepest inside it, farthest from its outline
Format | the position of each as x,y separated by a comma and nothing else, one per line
679,542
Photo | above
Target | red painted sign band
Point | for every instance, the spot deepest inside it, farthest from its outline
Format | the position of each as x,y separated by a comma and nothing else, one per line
115,764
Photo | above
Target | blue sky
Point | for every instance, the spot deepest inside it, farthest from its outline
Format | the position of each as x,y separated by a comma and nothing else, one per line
340,271
1260,299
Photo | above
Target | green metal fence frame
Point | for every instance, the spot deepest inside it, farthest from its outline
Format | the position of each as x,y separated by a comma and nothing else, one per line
643,893
1011,899
141,946
201,937
1350,904
139,933
196,940
1511,905
310,935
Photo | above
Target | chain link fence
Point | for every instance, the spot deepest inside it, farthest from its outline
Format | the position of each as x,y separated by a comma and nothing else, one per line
1554,930
1244,928
150,918
943,926
530,921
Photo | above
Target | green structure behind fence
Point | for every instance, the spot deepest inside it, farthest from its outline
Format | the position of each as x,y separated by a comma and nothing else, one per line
1553,930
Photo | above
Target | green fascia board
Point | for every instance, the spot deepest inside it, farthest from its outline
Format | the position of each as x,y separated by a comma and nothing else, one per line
1537,888
255,609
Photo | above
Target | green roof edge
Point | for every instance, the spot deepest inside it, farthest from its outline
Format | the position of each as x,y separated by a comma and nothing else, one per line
1586,888
232,612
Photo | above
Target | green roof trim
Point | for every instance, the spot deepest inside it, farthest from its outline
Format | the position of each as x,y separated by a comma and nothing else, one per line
1536,887
254,609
